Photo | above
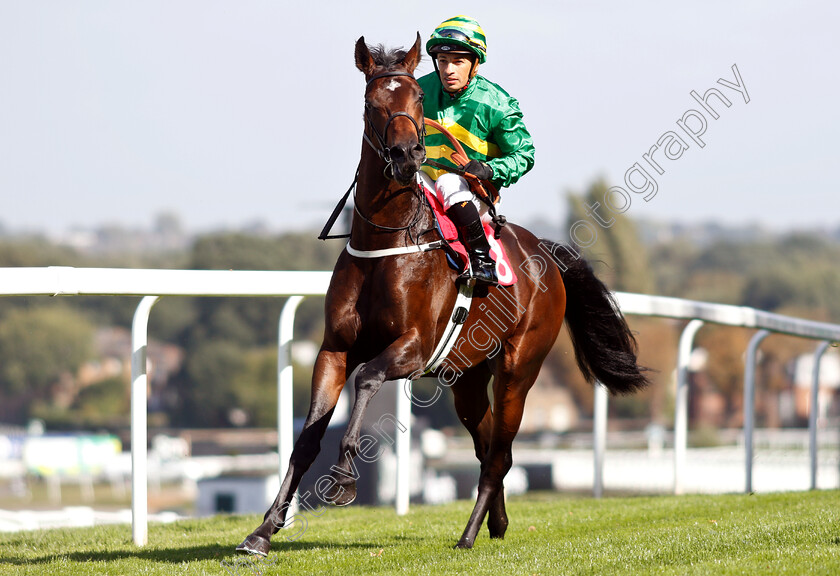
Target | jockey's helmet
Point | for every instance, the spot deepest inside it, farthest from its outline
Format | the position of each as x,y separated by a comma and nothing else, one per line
458,35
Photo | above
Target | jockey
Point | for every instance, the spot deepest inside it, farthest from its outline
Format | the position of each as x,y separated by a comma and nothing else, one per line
485,119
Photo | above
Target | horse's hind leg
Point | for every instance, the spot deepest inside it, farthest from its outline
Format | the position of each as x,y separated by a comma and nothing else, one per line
399,360
509,393
330,376
473,407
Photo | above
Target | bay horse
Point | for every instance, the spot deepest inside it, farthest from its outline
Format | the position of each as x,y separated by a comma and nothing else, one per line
385,314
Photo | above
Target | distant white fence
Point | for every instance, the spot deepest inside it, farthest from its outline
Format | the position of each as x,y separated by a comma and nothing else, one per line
152,284
71,517
699,313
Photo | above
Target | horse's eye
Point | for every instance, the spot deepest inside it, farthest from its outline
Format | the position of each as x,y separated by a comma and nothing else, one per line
421,97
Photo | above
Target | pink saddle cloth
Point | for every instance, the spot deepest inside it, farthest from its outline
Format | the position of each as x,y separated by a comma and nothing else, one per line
504,270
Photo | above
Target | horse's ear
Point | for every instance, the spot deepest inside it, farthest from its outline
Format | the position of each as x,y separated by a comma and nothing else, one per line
364,61
413,56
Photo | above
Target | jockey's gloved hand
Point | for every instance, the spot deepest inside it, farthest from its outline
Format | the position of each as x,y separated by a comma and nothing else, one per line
479,169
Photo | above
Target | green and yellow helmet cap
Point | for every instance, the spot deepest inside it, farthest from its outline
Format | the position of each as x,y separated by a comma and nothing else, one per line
458,32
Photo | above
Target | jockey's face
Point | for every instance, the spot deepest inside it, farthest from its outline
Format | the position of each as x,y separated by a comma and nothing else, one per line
455,70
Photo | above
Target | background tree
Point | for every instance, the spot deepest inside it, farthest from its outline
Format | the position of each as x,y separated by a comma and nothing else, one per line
618,247
767,273
620,259
230,343
37,347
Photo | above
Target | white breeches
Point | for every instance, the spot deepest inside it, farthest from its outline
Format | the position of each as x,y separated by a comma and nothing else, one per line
452,189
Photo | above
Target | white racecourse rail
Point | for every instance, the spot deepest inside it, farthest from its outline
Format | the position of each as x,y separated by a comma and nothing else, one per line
65,281
152,284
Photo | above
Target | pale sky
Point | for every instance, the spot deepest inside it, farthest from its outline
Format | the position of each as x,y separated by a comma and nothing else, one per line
227,113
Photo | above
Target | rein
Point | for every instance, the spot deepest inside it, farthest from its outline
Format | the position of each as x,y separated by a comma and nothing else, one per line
325,232
484,191
417,213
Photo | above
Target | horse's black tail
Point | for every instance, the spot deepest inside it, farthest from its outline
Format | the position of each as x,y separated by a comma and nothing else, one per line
605,348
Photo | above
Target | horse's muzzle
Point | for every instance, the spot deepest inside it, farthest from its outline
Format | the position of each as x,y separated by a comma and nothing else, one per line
406,161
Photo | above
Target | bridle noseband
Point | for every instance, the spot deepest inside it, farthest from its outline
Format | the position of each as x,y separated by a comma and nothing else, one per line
382,148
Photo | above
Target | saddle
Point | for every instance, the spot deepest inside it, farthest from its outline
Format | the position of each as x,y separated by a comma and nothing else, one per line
449,233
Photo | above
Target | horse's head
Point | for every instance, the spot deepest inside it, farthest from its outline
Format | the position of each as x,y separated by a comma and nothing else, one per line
393,108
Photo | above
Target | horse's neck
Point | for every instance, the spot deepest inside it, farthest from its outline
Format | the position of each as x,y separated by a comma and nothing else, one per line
372,187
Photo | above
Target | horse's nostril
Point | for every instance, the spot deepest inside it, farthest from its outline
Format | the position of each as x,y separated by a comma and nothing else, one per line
418,152
397,153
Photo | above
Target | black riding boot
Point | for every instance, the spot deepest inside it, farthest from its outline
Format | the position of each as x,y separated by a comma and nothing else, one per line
471,233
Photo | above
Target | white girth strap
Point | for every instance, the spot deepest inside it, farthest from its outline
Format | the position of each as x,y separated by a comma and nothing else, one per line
393,251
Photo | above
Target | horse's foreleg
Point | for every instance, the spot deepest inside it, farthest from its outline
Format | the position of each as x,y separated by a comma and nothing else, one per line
399,360
509,402
473,408
328,381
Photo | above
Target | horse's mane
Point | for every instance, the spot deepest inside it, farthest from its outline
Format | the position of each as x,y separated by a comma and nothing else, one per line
388,58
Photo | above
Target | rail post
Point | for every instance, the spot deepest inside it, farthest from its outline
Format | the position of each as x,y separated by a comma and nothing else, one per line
403,447
681,402
139,413
285,388
599,437
749,403
813,411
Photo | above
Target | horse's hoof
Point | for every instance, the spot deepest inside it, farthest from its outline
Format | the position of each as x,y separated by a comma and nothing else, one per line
497,530
464,544
254,544
347,497
341,495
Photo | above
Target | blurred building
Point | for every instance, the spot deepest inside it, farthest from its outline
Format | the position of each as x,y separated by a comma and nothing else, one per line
798,402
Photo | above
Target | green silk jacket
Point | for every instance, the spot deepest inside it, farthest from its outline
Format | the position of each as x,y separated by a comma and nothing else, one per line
488,123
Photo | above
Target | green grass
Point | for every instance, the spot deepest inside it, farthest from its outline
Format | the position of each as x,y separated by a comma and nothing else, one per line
790,533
